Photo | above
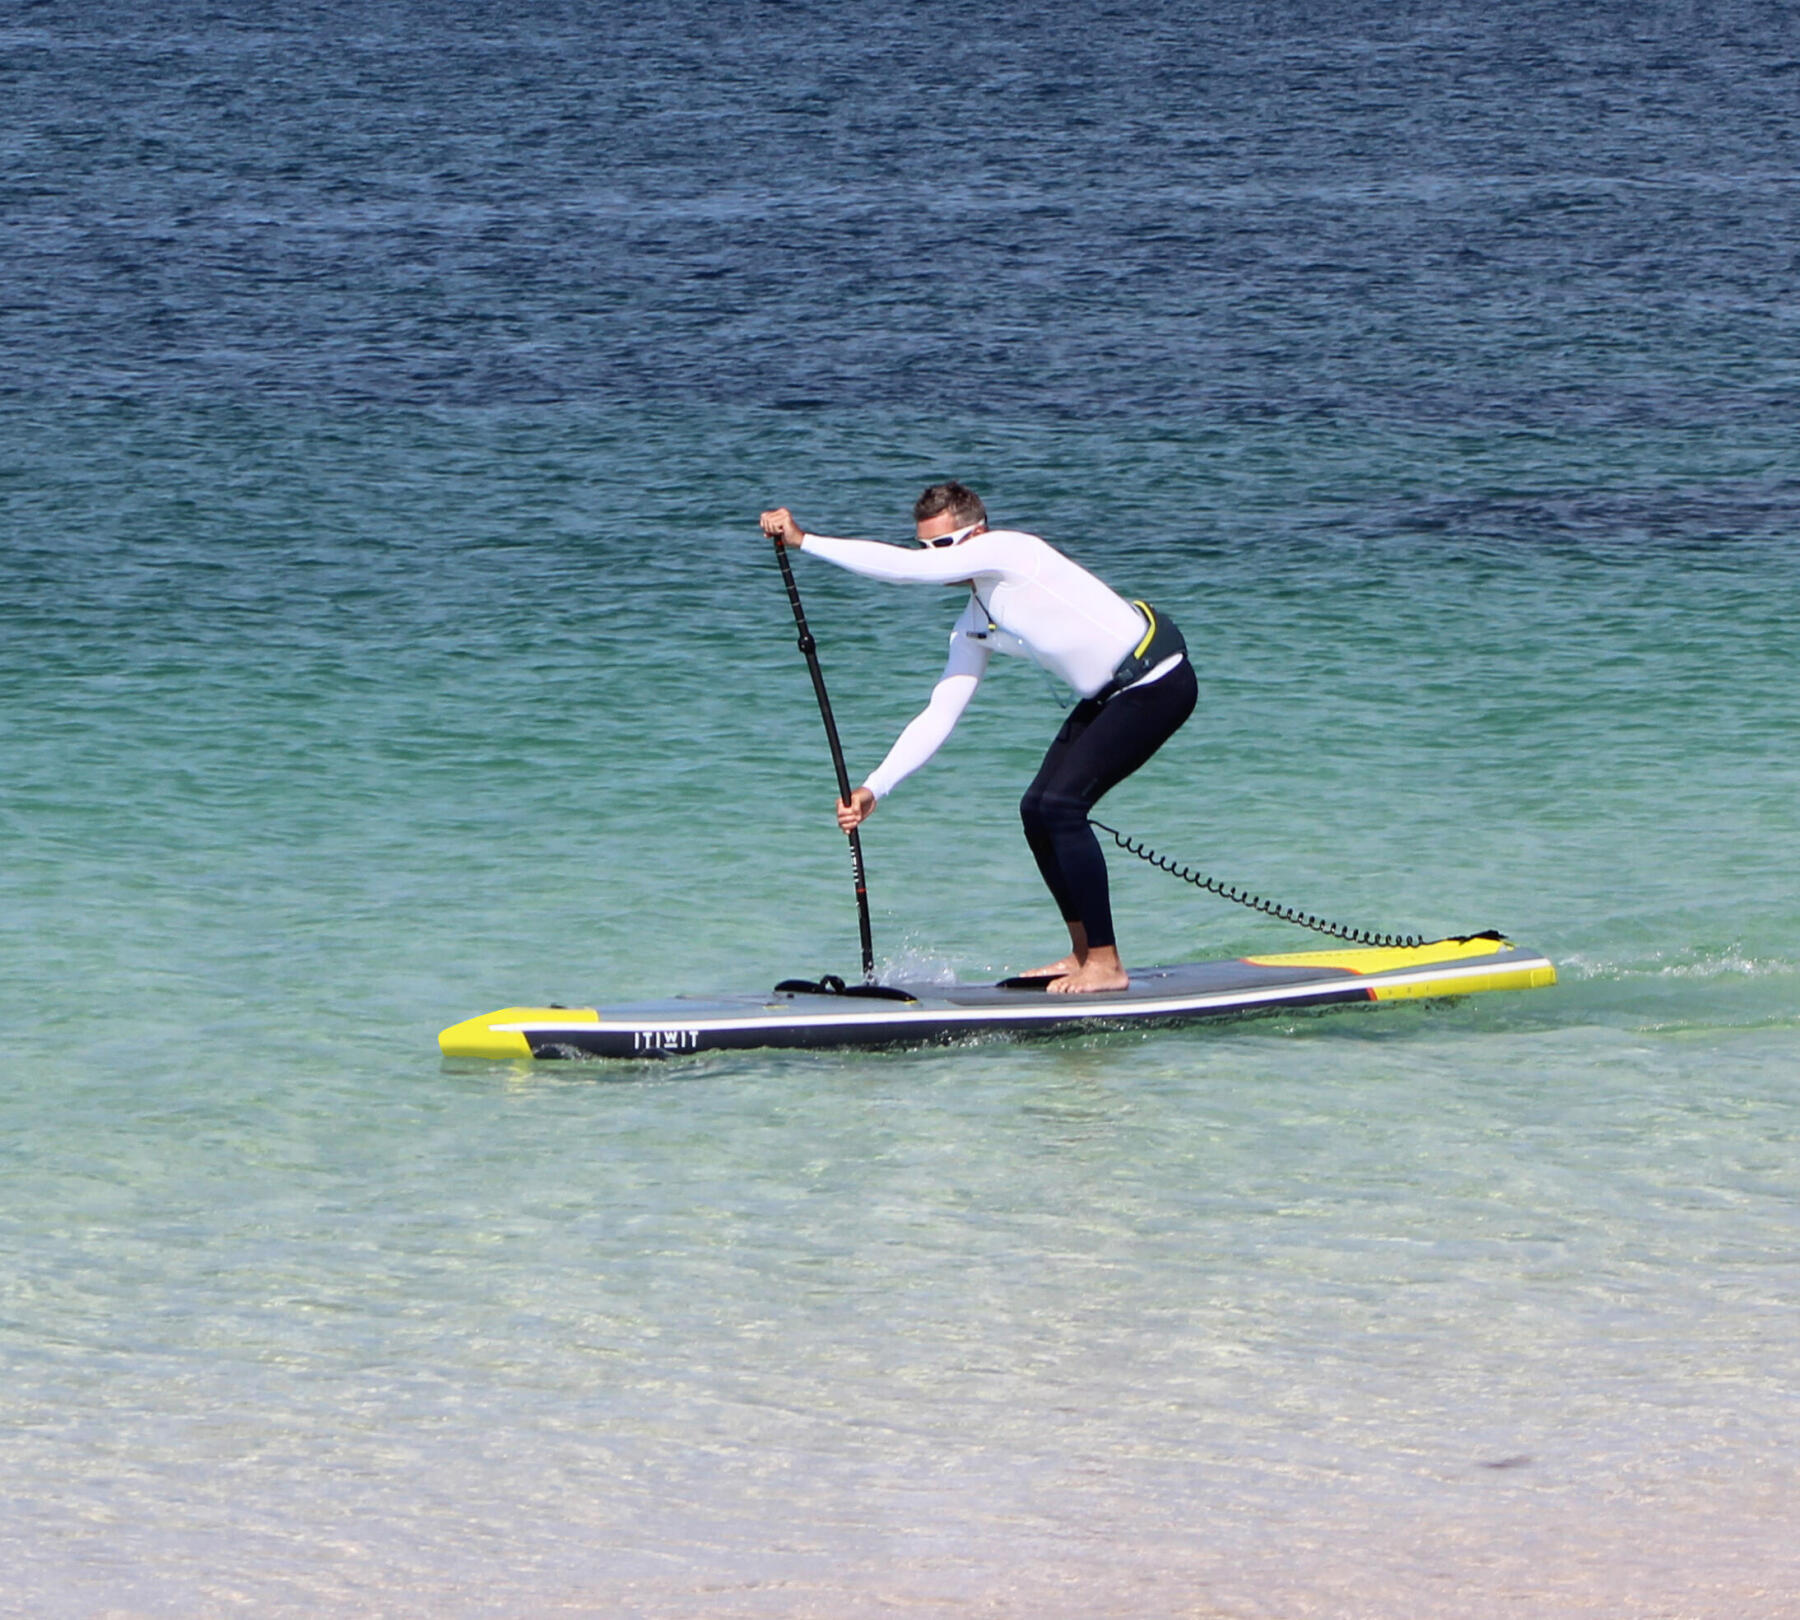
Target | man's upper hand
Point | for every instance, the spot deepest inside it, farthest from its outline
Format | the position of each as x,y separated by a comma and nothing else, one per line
780,525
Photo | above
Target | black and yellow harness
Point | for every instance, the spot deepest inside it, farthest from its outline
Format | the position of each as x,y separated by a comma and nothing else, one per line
1161,639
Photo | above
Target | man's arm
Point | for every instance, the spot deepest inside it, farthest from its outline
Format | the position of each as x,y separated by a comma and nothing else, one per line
986,553
926,733
901,565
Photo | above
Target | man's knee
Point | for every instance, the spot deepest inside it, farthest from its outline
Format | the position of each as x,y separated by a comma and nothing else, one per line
1052,813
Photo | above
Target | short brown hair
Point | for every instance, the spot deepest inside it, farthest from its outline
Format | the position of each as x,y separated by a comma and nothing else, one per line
961,502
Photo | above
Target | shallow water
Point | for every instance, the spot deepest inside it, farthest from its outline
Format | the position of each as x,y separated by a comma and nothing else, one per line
385,637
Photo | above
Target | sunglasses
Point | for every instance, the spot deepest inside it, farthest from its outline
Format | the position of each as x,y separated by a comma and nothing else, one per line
953,536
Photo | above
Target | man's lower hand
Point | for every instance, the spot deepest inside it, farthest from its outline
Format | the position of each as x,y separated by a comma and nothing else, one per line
860,807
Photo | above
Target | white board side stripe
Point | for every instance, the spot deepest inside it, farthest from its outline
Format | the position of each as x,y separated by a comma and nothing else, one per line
1350,989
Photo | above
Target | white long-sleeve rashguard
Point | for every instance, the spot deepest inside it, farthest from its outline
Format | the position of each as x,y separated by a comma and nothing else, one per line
1029,601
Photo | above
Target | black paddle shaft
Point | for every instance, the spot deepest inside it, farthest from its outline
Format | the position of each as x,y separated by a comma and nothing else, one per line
811,649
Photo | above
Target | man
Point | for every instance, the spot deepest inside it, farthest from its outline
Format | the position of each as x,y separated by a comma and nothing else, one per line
1126,663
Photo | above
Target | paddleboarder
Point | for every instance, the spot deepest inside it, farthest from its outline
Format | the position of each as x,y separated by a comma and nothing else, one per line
1125,661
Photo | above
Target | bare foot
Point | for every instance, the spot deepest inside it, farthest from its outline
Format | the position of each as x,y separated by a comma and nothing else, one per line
1089,977
1056,970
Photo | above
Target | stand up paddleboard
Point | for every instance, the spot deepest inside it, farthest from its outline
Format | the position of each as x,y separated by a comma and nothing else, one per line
833,1014
928,1014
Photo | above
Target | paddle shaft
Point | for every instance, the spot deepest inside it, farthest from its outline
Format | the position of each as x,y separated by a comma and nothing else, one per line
811,649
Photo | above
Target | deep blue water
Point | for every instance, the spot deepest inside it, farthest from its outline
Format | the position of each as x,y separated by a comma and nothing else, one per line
387,394
1408,215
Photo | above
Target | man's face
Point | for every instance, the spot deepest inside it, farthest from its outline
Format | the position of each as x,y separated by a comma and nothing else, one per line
945,523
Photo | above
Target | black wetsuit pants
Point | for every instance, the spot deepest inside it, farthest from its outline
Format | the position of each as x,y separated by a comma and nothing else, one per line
1100,744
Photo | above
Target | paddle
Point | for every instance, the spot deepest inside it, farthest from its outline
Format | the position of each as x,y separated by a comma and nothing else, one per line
811,649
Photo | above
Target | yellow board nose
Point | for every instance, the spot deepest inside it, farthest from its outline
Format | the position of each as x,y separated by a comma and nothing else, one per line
497,1035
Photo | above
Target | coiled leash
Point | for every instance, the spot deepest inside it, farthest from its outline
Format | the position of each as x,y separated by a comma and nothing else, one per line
1242,897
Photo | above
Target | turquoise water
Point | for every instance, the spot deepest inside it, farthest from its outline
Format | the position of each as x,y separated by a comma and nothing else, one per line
385,637
411,717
